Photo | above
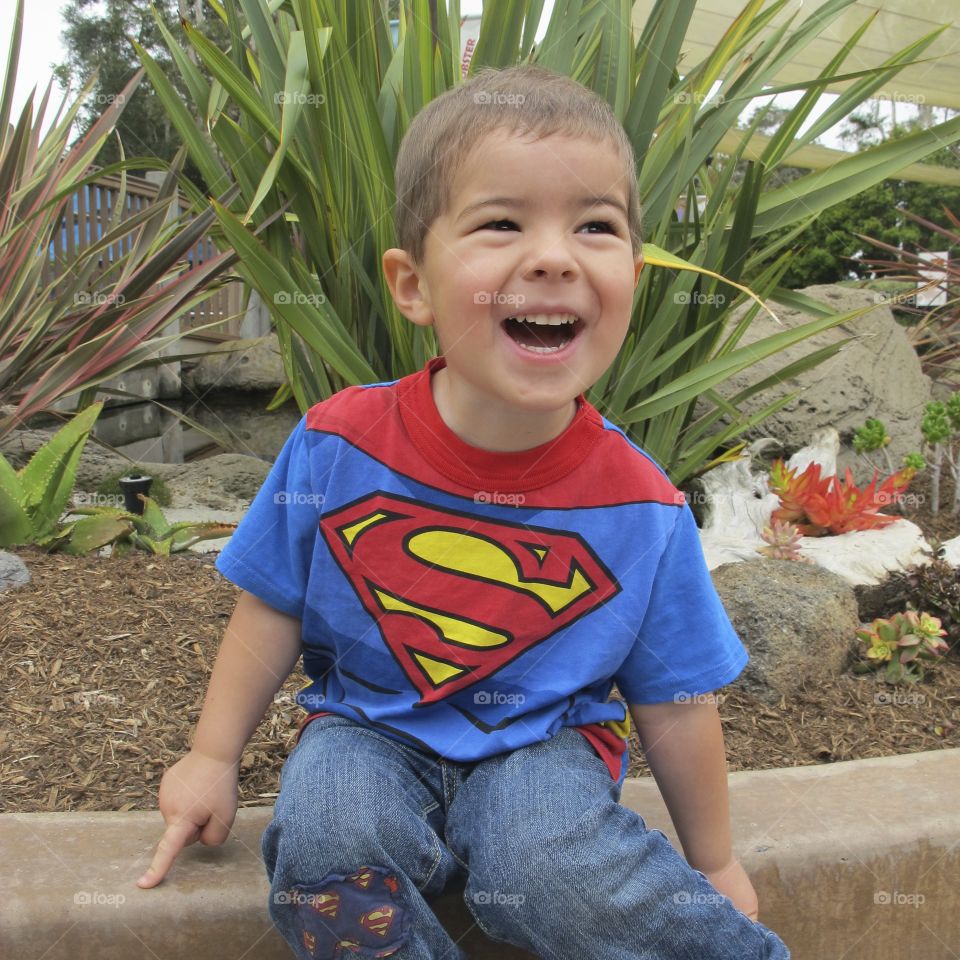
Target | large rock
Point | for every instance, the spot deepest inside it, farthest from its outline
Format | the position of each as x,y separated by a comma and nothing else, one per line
218,482
226,481
877,374
247,365
798,621
96,462
13,571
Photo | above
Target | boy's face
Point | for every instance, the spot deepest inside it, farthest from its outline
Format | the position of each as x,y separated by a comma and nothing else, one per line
534,229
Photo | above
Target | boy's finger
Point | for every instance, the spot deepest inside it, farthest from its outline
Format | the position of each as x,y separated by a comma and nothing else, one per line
178,835
215,832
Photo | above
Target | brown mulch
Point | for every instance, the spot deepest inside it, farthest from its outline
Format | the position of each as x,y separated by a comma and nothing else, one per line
107,660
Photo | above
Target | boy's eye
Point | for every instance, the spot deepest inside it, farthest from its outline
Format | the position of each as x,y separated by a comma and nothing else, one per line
605,226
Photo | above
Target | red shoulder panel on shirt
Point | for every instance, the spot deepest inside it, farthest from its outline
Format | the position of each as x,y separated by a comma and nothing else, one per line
615,472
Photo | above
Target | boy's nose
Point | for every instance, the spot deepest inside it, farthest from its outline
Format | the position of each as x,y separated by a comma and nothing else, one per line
552,259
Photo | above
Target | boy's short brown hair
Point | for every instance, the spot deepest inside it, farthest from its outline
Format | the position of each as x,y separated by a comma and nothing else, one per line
527,100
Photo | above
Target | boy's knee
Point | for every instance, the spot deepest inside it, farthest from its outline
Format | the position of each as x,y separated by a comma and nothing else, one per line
358,914
298,848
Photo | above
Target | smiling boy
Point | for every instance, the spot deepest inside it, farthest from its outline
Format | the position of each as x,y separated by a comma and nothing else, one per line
468,559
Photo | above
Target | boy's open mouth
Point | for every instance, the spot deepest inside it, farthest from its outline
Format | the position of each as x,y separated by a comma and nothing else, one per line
542,332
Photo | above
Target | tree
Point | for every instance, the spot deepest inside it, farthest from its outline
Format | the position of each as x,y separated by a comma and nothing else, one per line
97,39
830,248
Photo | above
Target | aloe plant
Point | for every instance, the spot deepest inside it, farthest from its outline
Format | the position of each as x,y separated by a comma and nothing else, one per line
63,338
311,101
33,498
150,531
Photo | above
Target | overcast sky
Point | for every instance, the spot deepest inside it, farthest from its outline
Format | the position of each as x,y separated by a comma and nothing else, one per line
41,46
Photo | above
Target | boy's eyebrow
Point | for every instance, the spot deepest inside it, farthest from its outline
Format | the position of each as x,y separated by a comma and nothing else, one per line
581,203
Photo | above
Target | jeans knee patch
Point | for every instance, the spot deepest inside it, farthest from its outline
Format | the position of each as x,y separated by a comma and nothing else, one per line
346,916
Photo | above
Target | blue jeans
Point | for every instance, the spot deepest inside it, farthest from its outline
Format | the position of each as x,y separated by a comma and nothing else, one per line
367,831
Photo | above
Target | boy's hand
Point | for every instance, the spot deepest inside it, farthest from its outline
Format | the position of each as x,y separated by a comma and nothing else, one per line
732,881
198,800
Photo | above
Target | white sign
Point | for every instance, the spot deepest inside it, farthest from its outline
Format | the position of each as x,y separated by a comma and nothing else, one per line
934,296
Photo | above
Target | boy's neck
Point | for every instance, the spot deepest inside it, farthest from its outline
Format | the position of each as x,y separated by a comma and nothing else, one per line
499,429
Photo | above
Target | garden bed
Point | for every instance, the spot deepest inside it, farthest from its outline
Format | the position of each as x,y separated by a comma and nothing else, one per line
108,660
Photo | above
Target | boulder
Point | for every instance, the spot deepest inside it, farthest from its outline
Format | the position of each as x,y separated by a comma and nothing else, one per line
223,481
877,374
218,482
96,462
798,621
246,365
13,571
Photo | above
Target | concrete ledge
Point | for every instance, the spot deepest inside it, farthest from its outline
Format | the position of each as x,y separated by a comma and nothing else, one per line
855,860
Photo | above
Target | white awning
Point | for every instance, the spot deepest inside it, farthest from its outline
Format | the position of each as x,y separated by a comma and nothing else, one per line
933,83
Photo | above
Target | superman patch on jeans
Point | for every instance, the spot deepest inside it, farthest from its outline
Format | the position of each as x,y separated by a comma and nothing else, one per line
352,915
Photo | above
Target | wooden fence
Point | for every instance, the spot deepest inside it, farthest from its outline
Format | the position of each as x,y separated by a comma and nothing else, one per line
88,217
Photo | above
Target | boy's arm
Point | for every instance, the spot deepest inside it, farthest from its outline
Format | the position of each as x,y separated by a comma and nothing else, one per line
198,794
683,743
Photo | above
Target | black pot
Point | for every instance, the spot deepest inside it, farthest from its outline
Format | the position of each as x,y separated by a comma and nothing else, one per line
131,486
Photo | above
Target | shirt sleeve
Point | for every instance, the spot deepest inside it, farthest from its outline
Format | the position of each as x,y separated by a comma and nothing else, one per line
271,551
686,644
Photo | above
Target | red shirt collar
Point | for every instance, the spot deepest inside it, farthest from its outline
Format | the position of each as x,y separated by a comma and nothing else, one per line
486,471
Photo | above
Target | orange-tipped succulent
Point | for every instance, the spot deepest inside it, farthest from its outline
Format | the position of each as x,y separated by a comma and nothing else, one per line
821,505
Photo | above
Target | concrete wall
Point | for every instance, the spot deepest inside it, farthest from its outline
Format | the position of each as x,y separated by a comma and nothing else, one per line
858,861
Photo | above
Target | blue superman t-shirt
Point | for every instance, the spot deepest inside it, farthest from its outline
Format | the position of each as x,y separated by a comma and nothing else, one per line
467,602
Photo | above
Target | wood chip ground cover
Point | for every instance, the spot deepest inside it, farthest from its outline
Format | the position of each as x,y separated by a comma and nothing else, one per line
106,664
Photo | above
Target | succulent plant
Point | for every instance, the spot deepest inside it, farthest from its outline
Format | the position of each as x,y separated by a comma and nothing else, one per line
820,505
901,644
871,436
783,541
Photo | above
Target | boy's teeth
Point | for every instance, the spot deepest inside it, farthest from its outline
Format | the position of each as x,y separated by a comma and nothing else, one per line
547,319
527,346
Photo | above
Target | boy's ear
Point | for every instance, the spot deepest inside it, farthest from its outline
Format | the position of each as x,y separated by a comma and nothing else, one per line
407,287
638,269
